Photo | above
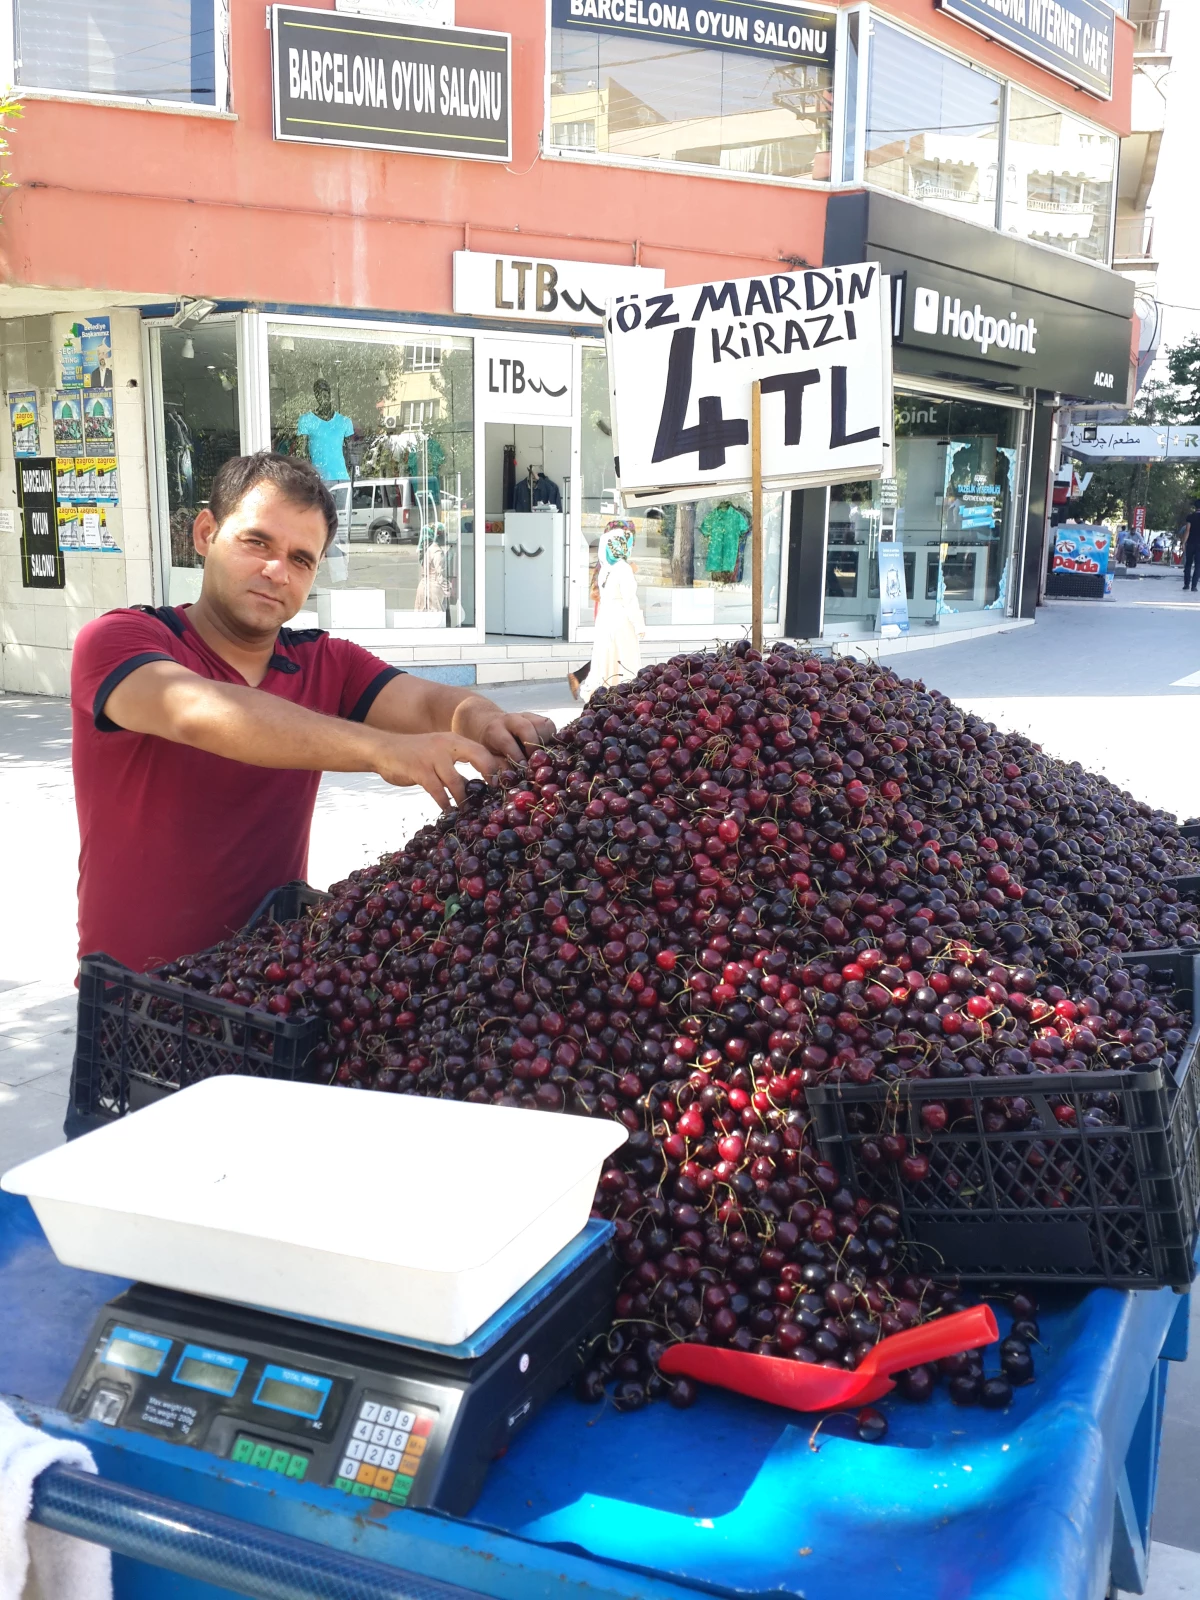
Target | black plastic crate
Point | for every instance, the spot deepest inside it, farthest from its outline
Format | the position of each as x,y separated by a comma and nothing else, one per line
1075,586
1116,1204
140,1037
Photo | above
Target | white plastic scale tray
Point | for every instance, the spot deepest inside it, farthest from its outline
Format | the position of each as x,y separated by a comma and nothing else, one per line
417,1218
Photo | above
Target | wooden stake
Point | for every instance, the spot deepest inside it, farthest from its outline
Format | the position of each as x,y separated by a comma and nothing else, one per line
756,517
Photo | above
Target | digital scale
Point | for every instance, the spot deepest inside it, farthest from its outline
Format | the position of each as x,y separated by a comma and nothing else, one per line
379,1418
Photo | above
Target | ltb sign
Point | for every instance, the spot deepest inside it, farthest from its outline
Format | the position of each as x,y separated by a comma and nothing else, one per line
532,289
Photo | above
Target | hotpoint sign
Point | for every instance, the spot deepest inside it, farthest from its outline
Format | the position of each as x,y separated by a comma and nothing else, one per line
1026,337
972,324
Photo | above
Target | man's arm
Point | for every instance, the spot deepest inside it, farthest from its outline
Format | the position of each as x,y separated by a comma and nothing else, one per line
243,724
410,705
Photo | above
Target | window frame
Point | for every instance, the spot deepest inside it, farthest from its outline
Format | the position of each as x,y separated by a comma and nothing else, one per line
1103,133
869,15
603,158
222,75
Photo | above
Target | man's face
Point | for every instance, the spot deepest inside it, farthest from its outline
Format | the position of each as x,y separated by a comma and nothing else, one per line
259,565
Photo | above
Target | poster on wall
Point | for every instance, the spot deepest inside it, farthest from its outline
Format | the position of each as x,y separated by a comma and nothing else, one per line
103,480
68,422
96,339
85,356
682,365
893,590
83,528
87,478
98,436
41,559
23,416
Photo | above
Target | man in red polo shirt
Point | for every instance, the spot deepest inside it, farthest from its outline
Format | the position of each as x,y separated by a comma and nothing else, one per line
199,733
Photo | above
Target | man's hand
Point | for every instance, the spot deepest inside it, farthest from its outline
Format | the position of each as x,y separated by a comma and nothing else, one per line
509,735
427,759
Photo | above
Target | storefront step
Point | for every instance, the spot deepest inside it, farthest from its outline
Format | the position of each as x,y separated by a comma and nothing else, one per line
525,662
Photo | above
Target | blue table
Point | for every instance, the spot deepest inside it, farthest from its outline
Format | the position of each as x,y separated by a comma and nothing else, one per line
1046,1499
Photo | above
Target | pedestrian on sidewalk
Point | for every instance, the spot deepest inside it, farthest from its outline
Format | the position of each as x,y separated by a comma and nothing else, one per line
1191,548
616,650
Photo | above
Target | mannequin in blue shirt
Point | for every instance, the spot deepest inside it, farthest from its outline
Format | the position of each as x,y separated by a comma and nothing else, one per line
326,431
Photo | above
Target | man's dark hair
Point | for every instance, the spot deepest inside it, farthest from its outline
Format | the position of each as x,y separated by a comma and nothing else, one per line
297,480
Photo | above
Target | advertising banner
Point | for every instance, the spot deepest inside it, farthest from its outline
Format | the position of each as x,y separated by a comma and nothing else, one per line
1081,550
23,417
783,32
682,365
339,78
41,559
893,592
1072,38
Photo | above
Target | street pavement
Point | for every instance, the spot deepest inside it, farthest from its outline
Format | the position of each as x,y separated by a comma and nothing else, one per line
1113,685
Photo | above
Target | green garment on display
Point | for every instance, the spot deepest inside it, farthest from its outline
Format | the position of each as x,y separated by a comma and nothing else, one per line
435,456
724,527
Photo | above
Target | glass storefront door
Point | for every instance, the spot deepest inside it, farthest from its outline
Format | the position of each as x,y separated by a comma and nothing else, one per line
958,476
195,378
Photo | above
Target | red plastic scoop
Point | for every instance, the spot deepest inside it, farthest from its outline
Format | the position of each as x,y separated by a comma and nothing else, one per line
804,1387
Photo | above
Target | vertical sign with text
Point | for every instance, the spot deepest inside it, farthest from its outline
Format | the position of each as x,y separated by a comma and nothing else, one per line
41,559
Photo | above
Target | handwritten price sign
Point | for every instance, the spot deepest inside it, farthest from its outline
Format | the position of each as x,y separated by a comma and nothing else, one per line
682,364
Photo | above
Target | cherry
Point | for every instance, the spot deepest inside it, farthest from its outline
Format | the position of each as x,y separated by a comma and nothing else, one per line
871,1425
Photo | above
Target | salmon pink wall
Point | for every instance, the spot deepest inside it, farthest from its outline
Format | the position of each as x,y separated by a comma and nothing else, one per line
193,205
111,198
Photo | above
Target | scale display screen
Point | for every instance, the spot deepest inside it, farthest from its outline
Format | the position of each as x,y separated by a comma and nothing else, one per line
300,1393
139,1352
201,1372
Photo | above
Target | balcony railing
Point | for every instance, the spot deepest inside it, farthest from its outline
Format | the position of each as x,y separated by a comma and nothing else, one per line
1134,239
1152,35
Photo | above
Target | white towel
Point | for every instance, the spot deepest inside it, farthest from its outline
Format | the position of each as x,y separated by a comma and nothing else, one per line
38,1563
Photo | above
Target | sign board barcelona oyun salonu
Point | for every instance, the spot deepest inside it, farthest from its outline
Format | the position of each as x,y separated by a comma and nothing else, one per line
1074,39
682,365
350,79
740,27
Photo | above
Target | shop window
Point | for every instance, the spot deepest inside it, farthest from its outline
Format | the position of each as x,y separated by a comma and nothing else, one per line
149,50
669,99
198,429
692,561
933,127
958,470
1059,175
389,423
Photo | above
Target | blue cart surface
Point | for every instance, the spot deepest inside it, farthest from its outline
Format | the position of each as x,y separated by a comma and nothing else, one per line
1050,1498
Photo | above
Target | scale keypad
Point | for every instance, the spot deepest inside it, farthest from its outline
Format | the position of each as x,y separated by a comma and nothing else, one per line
384,1450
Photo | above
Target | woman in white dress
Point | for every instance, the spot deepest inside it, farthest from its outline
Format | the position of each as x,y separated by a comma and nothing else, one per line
616,649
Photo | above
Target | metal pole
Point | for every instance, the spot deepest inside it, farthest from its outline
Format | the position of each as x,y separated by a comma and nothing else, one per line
756,516
216,1549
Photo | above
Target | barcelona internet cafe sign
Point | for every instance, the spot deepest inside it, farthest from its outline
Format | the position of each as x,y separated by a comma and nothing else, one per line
1072,38
350,79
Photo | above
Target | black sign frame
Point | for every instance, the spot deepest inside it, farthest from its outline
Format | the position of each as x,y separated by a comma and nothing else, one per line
406,88
37,494
986,18
749,27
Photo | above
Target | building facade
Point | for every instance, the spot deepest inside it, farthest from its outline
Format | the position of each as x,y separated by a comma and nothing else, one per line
223,237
